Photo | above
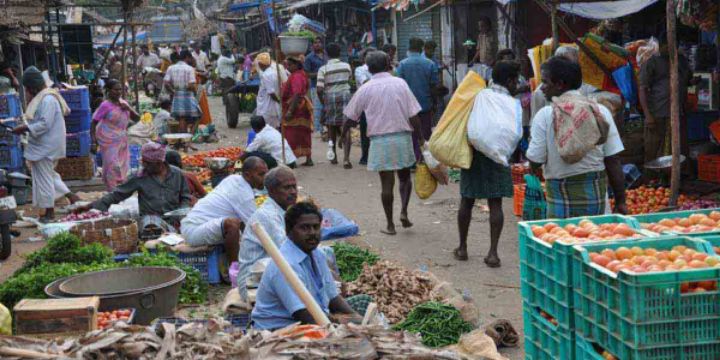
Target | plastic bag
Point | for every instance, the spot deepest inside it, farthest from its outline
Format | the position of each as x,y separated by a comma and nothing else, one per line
535,206
425,183
437,169
339,225
5,321
646,51
449,143
495,125
625,80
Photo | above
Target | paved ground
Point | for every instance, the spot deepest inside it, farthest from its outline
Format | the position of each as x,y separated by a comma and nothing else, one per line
428,244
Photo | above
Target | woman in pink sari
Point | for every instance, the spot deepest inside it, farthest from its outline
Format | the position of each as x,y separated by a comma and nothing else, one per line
109,134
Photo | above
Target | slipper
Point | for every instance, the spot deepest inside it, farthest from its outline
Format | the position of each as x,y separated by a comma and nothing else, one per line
386,232
458,256
347,165
491,264
405,222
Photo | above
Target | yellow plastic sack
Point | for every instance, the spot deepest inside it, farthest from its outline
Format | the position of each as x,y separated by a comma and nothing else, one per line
5,321
146,118
449,143
425,183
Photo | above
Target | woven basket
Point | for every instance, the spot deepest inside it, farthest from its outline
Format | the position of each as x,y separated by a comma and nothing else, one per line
76,168
119,235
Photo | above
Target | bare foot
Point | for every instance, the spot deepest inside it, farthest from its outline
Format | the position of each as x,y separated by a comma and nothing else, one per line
492,261
390,230
347,165
460,254
405,221
72,197
309,162
334,161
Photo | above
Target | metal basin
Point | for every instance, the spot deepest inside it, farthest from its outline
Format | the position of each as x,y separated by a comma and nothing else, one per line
150,297
119,281
217,163
177,138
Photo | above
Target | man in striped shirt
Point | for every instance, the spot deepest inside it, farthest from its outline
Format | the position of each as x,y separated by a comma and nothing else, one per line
333,87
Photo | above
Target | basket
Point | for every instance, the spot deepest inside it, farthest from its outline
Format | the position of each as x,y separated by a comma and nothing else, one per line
709,168
518,199
76,168
547,270
10,106
293,45
78,120
77,98
119,235
78,144
11,156
647,316
206,262
543,339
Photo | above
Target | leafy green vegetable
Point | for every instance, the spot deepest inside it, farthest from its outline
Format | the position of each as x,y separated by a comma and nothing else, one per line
438,324
67,248
304,34
350,260
194,289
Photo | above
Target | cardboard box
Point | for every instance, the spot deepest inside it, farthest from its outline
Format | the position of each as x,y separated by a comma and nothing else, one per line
52,316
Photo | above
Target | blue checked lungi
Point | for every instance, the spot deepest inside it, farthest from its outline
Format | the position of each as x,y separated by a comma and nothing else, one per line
580,195
391,152
333,107
184,105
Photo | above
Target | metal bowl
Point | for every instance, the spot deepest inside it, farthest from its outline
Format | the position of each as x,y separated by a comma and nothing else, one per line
662,163
217,163
177,138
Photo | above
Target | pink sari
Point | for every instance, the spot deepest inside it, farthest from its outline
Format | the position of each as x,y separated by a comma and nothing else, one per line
112,138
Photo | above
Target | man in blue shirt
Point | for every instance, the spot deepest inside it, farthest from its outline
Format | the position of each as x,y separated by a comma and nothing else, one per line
313,62
421,76
277,305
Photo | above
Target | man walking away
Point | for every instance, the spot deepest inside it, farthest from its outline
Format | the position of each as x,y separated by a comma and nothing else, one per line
181,82
46,143
268,99
391,110
575,188
313,62
362,75
487,179
421,76
333,88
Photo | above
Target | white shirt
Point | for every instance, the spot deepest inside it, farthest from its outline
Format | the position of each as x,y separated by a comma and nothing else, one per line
47,132
543,150
266,106
232,198
268,140
149,60
362,75
180,75
226,67
201,60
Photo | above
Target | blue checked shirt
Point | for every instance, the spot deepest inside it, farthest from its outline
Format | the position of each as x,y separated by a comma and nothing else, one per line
272,217
276,300
421,76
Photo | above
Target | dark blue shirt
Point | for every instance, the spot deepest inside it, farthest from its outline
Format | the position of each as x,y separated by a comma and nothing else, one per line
313,63
421,76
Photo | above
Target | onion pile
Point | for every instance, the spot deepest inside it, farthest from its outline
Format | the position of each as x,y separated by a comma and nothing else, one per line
698,204
92,214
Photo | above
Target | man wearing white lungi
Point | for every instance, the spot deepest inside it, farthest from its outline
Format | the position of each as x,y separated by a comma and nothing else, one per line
46,143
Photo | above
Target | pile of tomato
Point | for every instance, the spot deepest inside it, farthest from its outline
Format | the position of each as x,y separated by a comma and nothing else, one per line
107,318
647,199
198,159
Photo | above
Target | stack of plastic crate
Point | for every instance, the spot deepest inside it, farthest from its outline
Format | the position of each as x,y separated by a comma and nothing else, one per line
77,126
11,156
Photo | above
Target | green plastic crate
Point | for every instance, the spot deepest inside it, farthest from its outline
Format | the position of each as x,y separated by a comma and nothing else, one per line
713,240
655,217
645,316
585,350
546,270
543,340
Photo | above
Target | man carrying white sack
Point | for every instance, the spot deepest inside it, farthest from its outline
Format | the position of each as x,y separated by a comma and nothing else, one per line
46,143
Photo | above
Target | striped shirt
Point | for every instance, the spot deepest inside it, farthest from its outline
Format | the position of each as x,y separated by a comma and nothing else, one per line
334,77
272,217
180,75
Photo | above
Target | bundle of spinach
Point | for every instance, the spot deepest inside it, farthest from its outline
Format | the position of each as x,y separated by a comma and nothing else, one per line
67,248
194,289
350,260
438,324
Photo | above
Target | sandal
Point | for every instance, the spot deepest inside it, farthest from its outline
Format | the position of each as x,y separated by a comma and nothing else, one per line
492,263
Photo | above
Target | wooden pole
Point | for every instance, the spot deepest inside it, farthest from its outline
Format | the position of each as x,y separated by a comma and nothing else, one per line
290,276
554,24
279,82
107,52
674,101
135,69
123,77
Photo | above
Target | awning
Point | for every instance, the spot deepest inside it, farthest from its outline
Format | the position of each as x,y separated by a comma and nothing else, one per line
106,40
600,10
305,3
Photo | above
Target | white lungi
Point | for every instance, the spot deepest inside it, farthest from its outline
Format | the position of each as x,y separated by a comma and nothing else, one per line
47,184
199,232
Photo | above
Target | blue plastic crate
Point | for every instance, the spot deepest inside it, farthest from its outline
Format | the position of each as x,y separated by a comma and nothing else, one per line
698,124
546,270
10,106
206,262
11,157
77,98
545,340
78,144
135,156
647,316
7,137
78,121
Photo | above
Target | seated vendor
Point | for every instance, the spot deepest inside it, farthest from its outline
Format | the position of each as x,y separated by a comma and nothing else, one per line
219,217
161,188
277,304
282,193
197,191
269,140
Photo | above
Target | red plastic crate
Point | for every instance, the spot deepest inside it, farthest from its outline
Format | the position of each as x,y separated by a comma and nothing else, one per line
518,199
709,168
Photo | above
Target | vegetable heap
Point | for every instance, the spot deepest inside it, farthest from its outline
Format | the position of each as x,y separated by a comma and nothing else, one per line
65,256
350,260
438,324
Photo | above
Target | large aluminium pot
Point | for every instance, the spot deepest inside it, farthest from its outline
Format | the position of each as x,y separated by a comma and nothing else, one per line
152,291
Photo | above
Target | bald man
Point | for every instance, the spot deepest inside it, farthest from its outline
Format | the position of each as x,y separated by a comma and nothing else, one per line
219,217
